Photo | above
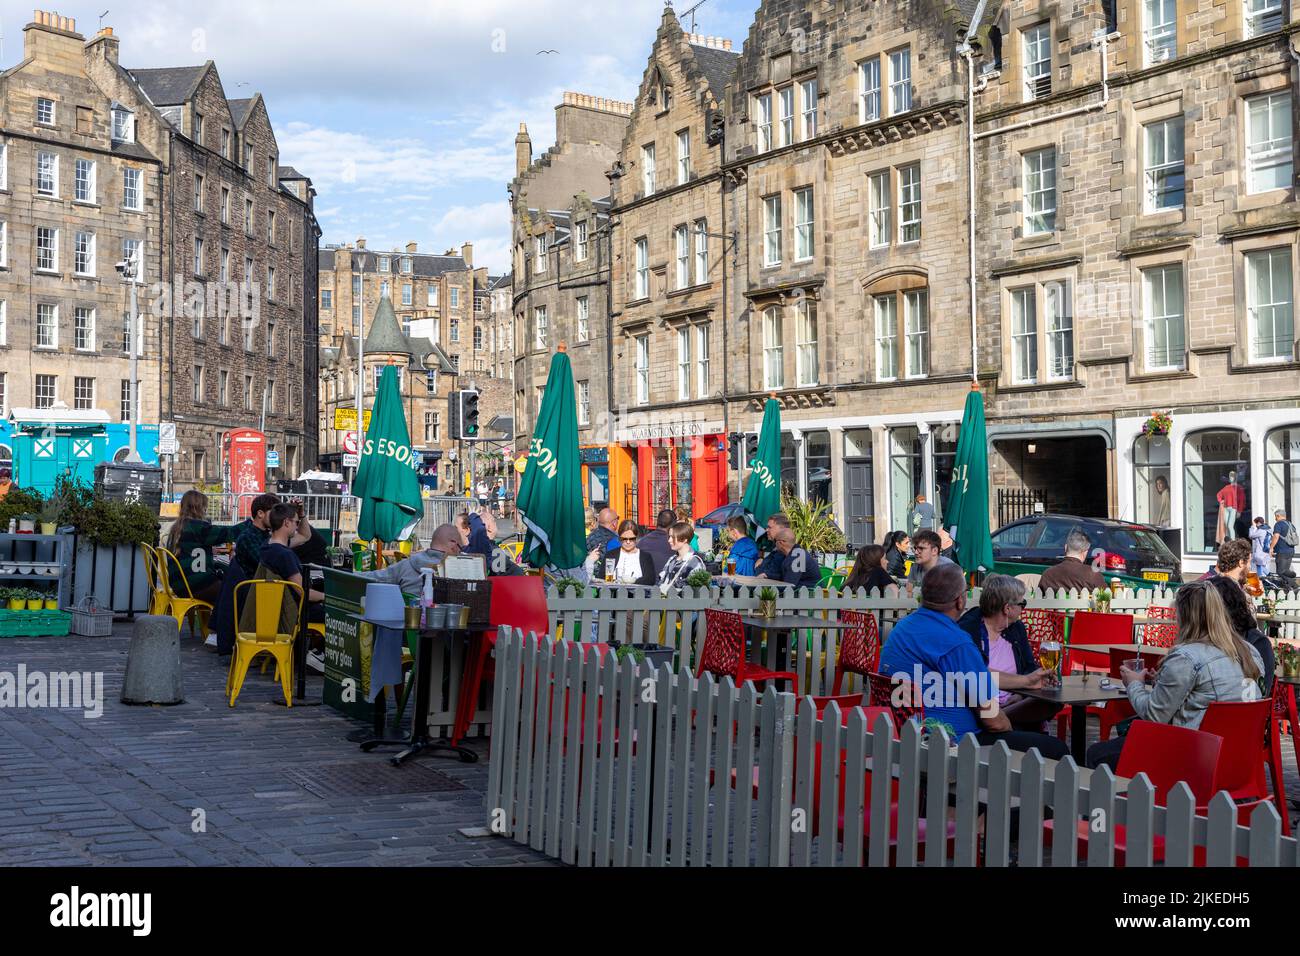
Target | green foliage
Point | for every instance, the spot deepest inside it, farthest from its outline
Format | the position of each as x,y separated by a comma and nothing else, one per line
812,524
767,594
22,503
625,651
110,523
564,585
699,579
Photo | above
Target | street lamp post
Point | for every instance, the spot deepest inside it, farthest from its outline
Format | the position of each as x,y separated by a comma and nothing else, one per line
130,271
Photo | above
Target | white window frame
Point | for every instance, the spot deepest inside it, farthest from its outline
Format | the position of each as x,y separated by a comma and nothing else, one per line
1036,49
807,369
773,348
642,268
47,111
1279,309
772,230
134,248
1024,335
580,244
763,122
199,193
431,296
879,209
85,186
684,366
83,254
1058,331
648,170
804,224
541,327
869,90
900,81
702,361
225,205
123,125
47,174
643,369
584,403
701,230
198,256
1158,166
909,202
916,333
1160,321
52,249
1274,154
808,106
133,187
683,157
1159,31
539,255
52,311
584,318
1267,16
785,115
86,342
54,390
682,255
79,401
885,310
408,294
1039,187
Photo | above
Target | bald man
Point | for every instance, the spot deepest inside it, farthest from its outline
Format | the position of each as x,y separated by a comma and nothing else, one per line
798,567
605,535
406,574
942,663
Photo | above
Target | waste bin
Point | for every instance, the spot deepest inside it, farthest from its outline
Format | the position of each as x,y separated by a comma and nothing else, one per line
140,484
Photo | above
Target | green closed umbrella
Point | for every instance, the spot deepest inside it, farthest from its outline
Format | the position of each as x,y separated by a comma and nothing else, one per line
763,492
550,495
386,481
967,514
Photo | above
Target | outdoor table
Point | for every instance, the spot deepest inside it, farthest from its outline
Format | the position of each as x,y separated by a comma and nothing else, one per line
747,581
787,624
1077,693
1128,648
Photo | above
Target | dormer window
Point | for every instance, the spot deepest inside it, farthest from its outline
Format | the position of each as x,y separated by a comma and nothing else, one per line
383,264
406,265
123,125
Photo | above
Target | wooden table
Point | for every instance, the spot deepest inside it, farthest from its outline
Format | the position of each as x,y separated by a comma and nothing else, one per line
1077,693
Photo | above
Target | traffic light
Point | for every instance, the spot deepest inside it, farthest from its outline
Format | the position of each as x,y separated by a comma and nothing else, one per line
469,426
453,416
749,450
735,445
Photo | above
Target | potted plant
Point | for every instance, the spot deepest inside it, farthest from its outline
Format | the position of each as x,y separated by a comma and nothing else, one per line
27,523
16,598
51,601
1289,655
4,600
767,602
564,585
699,579
49,515
1158,425
35,599
656,654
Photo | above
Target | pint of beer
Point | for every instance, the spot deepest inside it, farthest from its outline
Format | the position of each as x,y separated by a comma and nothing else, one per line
611,565
1049,655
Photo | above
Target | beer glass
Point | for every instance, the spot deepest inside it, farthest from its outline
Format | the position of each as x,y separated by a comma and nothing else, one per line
611,564
1049,655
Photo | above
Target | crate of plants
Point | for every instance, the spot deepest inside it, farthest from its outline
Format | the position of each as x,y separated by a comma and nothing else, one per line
91,620
30,613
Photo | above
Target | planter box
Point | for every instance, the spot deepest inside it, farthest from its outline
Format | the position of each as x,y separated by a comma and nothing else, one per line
115,577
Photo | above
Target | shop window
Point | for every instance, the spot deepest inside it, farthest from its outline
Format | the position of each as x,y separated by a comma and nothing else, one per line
817,459
1282,471
906,473
1216,489
789,464
1151,478
943,444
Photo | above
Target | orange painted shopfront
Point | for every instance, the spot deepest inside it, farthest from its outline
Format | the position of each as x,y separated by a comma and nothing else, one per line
680,471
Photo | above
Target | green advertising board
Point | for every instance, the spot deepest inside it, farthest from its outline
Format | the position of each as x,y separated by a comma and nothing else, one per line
348,644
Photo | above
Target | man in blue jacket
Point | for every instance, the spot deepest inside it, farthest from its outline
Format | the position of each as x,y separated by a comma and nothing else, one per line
798,566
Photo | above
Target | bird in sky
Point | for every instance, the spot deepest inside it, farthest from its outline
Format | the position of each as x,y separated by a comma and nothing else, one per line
540,52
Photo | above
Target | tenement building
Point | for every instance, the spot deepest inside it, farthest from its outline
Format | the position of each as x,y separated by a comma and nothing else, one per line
79,192
1123,206
561,290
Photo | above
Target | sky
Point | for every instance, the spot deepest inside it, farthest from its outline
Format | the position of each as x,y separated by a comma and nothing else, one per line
402,113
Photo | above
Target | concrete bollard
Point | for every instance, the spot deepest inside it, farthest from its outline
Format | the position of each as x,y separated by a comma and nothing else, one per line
153,663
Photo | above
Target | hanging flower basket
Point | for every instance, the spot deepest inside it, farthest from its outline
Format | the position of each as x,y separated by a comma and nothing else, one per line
1158,424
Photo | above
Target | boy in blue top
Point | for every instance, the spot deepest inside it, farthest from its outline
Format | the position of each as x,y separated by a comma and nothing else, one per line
744,551
928,649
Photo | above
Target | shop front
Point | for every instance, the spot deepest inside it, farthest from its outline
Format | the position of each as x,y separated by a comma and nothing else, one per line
1209,476
677,464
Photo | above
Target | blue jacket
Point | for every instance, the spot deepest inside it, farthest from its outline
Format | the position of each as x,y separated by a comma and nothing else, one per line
745,553
479,542
972,622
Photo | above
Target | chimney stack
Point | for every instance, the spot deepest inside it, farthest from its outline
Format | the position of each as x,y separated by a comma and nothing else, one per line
51,36
411,247
523,150
106,45
361,242
467,253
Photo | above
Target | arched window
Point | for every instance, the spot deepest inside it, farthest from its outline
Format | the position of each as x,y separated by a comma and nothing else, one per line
1281,471
1151,479
1216,489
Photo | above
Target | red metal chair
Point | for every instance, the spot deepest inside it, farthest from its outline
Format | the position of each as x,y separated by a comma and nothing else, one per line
723,654
859,647
1247,750
1095,627
1162,634
1043,625
1111,713
903,708
1167,755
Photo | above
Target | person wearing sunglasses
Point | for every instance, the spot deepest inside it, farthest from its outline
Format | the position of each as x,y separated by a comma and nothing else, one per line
632,565
1003,641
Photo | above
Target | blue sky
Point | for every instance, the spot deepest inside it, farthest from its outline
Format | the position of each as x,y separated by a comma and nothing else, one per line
403,113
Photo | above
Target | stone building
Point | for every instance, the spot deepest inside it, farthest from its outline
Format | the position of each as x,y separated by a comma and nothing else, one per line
438,306
235,290
500,330
79,190
561,249
673,285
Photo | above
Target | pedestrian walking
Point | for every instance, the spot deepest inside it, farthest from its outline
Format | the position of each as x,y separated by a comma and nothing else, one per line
1260,536
1284,542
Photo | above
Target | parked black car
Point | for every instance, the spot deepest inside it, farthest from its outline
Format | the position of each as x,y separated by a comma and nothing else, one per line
1134,553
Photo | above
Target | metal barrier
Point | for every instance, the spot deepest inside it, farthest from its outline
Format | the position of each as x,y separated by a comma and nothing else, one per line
596,762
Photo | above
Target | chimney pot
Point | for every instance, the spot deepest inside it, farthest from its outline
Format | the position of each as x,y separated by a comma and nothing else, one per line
411,246
361,242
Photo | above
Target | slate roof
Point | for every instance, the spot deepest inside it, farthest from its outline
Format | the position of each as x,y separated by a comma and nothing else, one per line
385,333
423,265
239,110
169,86
717,66
288,172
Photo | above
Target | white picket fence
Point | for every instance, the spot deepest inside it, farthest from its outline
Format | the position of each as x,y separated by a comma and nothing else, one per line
597,763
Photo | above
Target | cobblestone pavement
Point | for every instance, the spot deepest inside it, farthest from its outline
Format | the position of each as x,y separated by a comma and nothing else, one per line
123,789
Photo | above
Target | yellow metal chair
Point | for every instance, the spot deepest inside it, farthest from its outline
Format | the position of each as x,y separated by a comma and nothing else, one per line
267,638
181,603
158,596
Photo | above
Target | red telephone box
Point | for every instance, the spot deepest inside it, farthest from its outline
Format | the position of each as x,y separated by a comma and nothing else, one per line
244,466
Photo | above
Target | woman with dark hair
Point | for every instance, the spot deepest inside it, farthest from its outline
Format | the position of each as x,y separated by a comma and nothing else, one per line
896,545
869,572
632,565
1244,623
191,539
